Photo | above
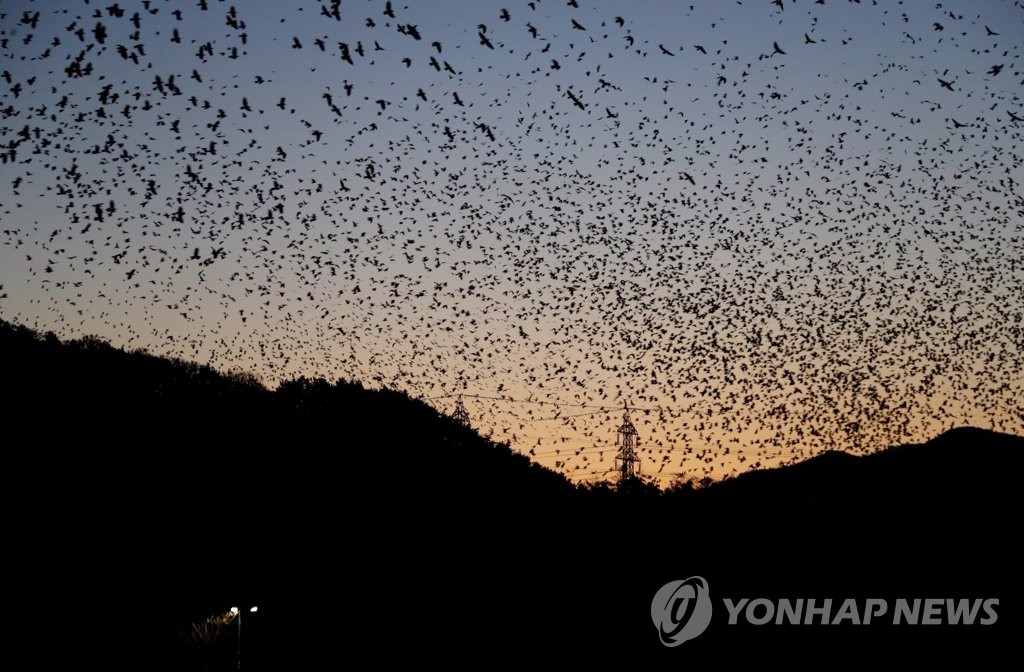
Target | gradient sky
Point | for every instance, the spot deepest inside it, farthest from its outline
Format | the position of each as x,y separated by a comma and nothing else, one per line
772,231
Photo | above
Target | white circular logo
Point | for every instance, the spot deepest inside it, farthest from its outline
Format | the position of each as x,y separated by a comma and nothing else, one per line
681,610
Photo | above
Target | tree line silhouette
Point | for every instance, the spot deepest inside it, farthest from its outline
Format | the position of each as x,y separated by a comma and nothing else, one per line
156,493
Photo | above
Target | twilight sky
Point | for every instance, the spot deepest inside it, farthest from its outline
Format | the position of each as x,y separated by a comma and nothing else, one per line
771,228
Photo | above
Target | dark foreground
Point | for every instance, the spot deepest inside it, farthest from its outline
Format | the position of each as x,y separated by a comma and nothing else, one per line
108,572
142,498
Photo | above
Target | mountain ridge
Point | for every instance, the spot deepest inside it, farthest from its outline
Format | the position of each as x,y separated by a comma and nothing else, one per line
154,482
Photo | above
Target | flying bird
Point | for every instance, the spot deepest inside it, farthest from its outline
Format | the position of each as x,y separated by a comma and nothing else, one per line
522,238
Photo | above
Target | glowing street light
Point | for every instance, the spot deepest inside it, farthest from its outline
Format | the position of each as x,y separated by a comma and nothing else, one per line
234,611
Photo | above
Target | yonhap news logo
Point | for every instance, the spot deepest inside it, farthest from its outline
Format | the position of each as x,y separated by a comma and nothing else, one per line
681,610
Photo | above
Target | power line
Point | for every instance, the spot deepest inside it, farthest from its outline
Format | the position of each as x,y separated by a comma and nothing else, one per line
511,400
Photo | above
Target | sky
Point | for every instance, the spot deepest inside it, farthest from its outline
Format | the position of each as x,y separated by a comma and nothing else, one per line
770,229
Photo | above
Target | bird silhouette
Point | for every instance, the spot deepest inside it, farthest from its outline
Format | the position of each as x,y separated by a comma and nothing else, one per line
558,212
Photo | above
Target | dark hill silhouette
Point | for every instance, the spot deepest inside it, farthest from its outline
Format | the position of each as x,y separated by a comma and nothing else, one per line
102,403
156,492
966,469
141,480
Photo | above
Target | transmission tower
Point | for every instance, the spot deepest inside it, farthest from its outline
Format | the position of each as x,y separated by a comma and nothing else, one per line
627,461
461,415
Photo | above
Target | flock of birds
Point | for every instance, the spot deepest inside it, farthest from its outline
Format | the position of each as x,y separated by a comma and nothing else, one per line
770,228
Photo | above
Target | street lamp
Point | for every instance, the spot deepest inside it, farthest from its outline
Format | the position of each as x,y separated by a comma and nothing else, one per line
238,616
